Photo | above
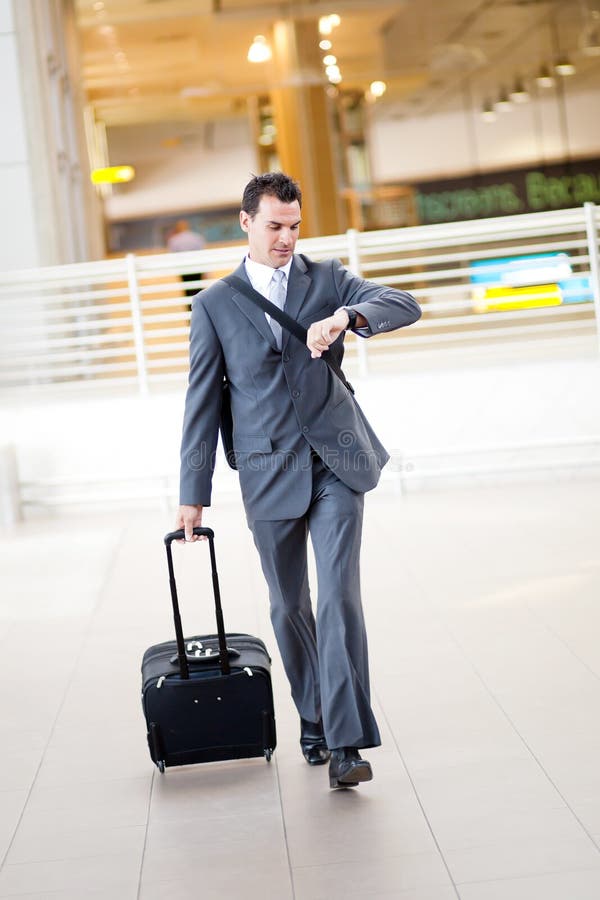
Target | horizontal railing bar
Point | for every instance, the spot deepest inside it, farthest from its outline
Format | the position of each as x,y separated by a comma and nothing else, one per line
89,311
491,253
563,308
71,297
460,240
447,274
479,334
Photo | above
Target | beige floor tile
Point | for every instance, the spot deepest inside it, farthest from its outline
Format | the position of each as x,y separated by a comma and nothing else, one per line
588,812
457,829
369,878
112,893
116,803
72,875
97,758
479,787
514,859
579,885
318,820
36,842
249,884
421,893
22,752
249,844
215,790
12,804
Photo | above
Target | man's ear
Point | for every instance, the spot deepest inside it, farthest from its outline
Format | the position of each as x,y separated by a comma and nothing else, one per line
244,220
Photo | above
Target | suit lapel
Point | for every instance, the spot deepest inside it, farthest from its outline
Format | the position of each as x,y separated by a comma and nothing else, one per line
298,286
252,312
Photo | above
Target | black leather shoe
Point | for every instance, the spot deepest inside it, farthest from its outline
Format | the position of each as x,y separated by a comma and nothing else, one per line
312,742
347,768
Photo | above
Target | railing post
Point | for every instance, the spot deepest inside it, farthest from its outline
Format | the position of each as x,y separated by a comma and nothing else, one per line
138,324
591,229
11,510
354,266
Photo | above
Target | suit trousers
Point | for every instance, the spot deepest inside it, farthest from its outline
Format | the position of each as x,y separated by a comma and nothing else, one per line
326,661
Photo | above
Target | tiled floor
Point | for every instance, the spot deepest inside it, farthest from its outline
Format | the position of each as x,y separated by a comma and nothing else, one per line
484,619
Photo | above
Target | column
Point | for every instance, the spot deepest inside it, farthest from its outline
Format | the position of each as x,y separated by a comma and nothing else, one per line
305,142
44,174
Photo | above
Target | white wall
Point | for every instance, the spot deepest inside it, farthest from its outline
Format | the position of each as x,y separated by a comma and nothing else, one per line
18,239
458,143
180,167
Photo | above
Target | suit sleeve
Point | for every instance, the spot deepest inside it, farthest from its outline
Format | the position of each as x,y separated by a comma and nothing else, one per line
384,308
202,409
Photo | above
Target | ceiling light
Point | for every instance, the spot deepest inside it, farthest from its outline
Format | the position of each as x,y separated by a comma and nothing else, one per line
325,26
564,66
519,93
328,23
325,45
259,51
335,79
544,78
332,70
99,6
503,103
378,88
330,60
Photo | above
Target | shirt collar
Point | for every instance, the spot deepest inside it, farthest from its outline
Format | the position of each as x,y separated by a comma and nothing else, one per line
260,275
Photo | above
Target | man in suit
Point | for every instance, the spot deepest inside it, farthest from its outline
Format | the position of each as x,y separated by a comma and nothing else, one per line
305,454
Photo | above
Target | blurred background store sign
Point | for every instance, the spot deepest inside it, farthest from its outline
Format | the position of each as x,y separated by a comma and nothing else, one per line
506,193
112,175
528,281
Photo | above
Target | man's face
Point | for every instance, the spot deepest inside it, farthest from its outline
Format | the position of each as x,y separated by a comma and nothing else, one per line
273,232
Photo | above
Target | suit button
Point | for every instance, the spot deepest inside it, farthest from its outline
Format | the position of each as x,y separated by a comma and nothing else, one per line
295,394
286,358
305,429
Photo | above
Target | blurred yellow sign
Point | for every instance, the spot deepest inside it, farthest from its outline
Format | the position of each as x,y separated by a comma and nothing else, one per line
530,296
112,174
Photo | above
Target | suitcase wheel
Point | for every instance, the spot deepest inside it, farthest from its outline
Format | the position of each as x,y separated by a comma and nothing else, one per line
268,754
161,766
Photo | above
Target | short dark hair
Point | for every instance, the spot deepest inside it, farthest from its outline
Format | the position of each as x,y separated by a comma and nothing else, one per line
274,184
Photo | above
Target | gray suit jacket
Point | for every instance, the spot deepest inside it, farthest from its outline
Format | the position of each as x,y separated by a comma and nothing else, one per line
284,402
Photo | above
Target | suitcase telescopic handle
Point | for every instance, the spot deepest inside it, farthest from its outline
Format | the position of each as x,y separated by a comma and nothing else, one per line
184,668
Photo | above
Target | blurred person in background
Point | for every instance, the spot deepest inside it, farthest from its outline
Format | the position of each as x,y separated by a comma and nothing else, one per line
181,240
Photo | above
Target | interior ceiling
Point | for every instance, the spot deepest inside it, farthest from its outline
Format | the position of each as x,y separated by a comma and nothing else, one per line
176,60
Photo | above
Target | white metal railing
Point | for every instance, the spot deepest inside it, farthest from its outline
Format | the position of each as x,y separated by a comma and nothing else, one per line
127,320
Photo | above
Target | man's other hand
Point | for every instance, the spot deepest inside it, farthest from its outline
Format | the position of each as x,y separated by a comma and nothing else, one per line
188,518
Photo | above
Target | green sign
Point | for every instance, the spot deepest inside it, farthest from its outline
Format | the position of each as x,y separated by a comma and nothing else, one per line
507,193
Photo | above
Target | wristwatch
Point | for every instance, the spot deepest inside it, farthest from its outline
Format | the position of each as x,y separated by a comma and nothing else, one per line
352,317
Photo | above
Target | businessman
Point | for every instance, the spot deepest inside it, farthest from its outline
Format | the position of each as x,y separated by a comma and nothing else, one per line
306,454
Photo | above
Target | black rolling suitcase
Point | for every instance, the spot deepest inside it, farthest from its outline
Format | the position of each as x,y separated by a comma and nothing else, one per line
207,697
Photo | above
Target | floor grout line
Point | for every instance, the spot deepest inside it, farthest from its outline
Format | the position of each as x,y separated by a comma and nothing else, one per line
143,857
285,834
417,797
